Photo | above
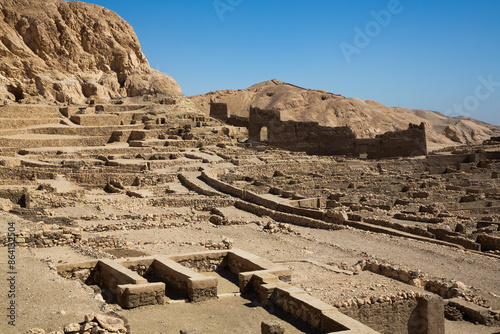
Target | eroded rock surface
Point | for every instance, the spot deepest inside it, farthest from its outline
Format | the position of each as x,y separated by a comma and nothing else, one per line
68,51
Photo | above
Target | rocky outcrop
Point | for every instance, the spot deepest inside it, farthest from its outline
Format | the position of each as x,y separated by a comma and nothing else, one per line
69,51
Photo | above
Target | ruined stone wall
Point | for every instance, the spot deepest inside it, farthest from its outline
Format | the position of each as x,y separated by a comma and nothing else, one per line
384,317
489,242
410,142
310,137
261,118
238,121
307,137
219,111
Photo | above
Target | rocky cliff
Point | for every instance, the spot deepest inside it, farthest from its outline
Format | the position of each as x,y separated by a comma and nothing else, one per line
68,51
366,118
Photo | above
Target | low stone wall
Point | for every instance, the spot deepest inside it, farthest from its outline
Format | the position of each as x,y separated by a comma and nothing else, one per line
429,232
111,108
136,295
463,241
130,289
191,185
96,120
413,316
61,237
323,317
192,284
203,262
14,195
264,206
489,242
124,278
471,312
55,141
400,227
192,201
184,281
108,274
286,217
80,271
444,288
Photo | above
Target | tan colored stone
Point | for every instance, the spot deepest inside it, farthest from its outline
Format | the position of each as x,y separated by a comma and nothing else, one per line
66,60
110,323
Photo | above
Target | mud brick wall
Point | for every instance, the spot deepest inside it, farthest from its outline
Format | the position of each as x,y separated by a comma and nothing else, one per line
489,242
96,120
412,316
410,142
383,317
80,272
219,111
238,121
208,264
314,139
307,137
136,295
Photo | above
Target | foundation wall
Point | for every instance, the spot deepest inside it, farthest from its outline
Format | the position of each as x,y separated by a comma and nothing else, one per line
96,120
412,316
297,303
193,285
488,242
136,295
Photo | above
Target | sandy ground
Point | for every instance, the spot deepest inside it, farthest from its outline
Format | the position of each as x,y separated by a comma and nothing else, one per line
43,298
226,315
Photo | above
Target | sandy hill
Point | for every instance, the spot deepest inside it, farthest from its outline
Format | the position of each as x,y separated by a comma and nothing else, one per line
66,51
366,118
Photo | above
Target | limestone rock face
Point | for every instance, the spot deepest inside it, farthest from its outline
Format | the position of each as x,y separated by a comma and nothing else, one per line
451,132
68,51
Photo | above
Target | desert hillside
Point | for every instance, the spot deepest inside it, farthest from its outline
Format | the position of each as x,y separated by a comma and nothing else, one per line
366,118
68,51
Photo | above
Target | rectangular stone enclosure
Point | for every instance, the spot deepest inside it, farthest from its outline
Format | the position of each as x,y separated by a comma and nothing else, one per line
144,281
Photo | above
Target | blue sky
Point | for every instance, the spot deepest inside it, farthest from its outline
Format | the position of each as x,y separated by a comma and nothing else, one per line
436,55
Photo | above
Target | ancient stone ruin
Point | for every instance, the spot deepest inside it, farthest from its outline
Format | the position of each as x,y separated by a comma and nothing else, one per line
267,126
196,173
127,207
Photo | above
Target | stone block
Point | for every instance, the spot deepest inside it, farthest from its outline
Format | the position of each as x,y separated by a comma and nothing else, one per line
428,316
135,295
272,327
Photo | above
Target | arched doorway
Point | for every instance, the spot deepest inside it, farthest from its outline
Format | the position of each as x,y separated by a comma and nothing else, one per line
263,134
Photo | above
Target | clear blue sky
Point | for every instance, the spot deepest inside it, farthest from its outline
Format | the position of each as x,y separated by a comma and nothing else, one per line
437,55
